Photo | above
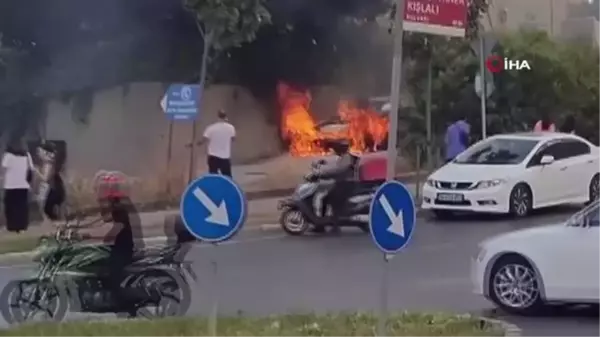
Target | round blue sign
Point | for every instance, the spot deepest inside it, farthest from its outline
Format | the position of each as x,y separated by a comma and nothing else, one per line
213,208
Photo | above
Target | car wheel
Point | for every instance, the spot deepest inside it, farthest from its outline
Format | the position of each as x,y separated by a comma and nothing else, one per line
514,286
521,200
443,214
293,222
594,188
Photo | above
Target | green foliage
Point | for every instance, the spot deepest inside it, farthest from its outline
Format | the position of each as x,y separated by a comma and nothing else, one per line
228,23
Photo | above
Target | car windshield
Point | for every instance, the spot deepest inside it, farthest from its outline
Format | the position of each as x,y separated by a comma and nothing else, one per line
589,216
497,151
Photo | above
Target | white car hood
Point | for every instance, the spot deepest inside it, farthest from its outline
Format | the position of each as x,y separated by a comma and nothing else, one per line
472,173
527,234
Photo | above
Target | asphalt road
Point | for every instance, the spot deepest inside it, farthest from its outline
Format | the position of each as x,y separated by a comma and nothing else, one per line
264,273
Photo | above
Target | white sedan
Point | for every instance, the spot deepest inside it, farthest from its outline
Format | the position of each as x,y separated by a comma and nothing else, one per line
522,271
515,173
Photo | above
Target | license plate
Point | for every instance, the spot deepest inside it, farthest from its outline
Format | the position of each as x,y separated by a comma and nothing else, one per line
450,197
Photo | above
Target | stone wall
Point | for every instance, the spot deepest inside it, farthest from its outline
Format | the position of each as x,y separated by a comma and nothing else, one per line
127,131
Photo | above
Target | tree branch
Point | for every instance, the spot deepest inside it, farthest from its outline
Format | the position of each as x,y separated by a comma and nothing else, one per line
199,26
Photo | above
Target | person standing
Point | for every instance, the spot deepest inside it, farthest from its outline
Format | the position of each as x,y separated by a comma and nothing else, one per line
569,125
51,192
457,138
219,136
18,173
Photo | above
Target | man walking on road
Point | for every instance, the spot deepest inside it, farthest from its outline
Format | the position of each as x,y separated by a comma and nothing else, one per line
219,136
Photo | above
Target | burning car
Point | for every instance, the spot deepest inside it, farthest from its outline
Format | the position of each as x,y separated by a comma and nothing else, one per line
362,125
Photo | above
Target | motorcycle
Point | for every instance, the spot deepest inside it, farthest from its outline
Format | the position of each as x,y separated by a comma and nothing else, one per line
303,209
73,276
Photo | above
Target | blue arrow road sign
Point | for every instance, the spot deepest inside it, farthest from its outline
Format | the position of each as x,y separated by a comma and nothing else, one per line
392,217
213,208
181,101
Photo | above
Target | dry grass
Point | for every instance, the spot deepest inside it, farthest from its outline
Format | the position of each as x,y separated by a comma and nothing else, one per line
338,324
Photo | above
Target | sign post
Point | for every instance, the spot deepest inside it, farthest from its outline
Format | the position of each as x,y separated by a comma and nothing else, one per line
438,17
392,218
213,209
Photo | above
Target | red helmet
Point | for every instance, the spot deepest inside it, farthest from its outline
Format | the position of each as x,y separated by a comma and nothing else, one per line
110,185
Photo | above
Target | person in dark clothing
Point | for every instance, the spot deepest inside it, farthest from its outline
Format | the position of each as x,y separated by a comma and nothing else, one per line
342,172
52,192
124,237
569,125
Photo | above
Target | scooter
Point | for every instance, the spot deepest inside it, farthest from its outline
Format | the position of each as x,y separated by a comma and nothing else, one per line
304,208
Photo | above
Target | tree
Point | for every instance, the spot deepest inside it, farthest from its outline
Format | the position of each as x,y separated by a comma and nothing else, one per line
225,24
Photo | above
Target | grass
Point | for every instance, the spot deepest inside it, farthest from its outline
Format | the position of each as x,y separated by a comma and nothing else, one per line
341,324
17,244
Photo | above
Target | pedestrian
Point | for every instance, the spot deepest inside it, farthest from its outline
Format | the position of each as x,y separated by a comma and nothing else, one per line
569,125
51,192
457,138
544,124
18,170
219,136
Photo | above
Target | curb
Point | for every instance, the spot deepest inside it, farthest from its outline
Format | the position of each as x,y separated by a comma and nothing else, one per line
280,192
510,330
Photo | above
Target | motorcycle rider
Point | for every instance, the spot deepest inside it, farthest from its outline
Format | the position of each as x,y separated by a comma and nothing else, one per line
117,209
342,172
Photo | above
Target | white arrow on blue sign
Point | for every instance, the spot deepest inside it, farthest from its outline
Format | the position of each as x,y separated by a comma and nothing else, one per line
181,101
392,217
213,208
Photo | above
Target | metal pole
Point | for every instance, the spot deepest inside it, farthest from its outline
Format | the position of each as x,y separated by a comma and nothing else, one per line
392,151
482,73
385,285
214,313
192,154
428,111
169,158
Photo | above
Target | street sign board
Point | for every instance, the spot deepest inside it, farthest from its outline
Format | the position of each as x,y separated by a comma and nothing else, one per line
392,217
181,101
213,208
438,17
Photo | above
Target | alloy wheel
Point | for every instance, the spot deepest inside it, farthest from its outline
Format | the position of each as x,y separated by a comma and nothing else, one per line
516,286
293,221
520,201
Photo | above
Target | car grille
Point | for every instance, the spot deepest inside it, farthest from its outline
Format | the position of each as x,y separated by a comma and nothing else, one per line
447,185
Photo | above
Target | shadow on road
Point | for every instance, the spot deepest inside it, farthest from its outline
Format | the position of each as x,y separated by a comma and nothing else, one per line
536,215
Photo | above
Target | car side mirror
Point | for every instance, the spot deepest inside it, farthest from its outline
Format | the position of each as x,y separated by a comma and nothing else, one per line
547,160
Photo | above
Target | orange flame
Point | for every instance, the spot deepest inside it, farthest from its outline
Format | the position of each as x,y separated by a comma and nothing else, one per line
365,128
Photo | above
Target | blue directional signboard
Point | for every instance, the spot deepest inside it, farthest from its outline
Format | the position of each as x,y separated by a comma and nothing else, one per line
181,101
392,217
213,208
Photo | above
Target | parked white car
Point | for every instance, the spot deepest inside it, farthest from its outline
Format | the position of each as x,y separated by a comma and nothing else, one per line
515,173
521,271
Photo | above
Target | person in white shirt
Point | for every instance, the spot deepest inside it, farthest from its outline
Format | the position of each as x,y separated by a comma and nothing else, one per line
18,169
219,136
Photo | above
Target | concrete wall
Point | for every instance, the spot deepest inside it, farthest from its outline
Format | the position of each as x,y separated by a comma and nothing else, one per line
547,15
128,131
585,30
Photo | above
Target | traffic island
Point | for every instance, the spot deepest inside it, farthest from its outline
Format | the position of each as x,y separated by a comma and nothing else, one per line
334,324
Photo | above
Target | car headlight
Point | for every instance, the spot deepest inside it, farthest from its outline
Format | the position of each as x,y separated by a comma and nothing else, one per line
489,183
431,182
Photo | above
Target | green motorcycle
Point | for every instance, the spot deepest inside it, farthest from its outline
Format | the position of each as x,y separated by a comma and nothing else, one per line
72,277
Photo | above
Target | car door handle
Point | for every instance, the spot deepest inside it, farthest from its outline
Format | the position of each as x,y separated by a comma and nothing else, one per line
564,168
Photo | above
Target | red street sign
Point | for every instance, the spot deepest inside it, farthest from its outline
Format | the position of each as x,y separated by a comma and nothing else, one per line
439,17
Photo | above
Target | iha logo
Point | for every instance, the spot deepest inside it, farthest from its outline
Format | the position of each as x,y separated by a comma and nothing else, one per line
496,64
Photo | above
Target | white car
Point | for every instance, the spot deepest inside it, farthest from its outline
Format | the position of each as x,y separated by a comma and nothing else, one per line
515,173
521,271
